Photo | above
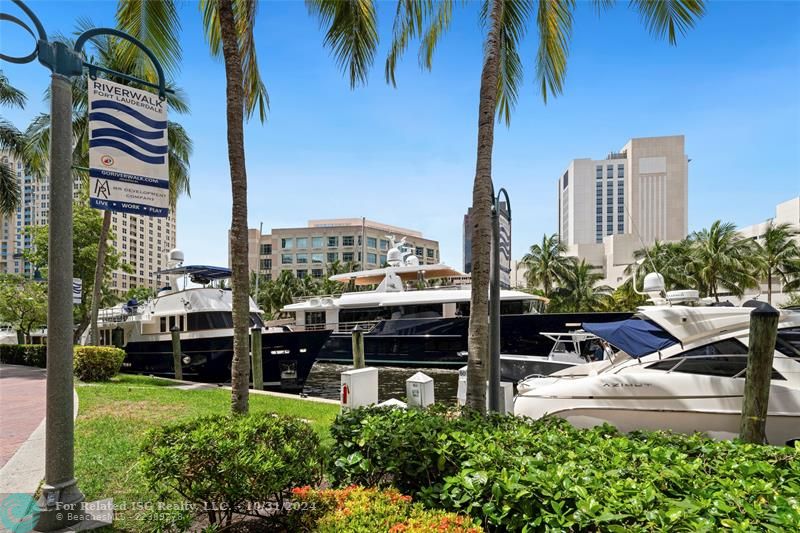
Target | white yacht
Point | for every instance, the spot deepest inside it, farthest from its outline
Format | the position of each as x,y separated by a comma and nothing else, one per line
204,318
409,324
679,367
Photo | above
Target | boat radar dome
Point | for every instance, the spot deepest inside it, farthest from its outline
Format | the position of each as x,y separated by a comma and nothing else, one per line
175,256
654,282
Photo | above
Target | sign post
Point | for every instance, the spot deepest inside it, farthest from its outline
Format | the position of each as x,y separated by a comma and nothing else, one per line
500,263
61,501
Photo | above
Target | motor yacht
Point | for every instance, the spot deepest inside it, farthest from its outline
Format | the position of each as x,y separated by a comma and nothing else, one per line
409,323
203,316
679,366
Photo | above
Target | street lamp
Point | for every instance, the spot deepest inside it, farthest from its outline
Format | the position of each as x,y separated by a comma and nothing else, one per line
495,401
60,493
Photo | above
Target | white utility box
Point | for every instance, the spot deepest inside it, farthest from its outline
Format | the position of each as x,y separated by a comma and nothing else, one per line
359,388
419,390
506,394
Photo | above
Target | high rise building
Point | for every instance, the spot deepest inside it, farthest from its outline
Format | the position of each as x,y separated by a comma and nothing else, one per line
307,251
610,207
141,241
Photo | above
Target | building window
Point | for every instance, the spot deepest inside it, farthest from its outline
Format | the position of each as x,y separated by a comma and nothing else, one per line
333,257
286,259
599,170
266,264
430,252
599,219
347,240
610,209
372,242
302,259
383,259
302,242
316,272
621,228
287,244
347,257
333,242
620,218
610,171
599,209
372,259
620,171
301,273
418,251
610,229
384,244
317,258
266,249
620,209
359,240
316,242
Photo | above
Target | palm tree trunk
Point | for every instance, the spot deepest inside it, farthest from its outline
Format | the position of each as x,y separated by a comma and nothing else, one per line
769,286
481,219
240,366
99,272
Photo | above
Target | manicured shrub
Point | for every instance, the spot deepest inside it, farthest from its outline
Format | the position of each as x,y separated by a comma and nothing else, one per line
513,474
97,363
24,354
369,510
229,465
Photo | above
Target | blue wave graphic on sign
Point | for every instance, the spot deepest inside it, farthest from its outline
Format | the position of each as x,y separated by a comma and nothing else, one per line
137,138
110,104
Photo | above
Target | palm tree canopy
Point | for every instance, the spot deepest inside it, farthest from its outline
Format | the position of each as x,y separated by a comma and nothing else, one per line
578,290
12,141
546,263
722,258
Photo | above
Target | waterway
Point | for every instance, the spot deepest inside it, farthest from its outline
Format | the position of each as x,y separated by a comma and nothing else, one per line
325,381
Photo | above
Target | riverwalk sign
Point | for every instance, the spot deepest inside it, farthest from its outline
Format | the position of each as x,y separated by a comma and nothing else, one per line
128,161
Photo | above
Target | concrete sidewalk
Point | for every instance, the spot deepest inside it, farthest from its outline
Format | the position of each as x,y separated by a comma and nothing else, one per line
22,428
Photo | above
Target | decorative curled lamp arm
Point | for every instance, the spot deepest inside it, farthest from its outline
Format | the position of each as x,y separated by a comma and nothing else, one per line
85,36
41,38
508,201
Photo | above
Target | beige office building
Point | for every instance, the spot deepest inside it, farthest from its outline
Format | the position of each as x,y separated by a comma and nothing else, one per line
306,251
608,208
141,241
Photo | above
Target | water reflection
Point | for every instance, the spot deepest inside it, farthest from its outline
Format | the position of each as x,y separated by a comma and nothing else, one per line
325,381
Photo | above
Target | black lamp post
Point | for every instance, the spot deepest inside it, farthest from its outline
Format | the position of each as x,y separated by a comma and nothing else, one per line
494,392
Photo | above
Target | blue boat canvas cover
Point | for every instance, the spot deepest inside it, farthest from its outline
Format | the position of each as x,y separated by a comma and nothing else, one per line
634,336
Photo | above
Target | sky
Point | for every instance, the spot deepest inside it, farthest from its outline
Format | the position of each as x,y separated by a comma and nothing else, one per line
406,156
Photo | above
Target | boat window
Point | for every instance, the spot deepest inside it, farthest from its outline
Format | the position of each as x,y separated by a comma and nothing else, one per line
209,320
163,324
516,307
462,309
255,321
364,314
315,320
788,342
726,358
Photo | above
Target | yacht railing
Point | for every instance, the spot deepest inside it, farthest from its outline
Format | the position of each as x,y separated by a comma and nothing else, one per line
340,327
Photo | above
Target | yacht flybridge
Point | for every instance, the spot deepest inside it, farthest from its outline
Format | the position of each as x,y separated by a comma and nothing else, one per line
409,323
679,366
203,315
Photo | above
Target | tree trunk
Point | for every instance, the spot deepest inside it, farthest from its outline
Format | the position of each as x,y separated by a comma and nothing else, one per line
240,279
769,286
481,220
99,274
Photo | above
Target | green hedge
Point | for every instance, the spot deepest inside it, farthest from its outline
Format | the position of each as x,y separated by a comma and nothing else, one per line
24,354
97,363
224,466
369,510
515,474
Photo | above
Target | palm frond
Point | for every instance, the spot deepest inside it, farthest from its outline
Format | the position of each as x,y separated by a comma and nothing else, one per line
157,25
351,34
439,23
11,139
408,24
554,20
513,23
37,145
244,12
669,17
10,194
10,95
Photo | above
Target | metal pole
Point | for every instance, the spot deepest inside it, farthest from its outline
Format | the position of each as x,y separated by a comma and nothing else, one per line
177,364
60,490
258,264
494,314
257,356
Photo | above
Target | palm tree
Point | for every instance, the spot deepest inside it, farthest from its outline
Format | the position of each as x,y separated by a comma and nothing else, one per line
578,290
352,36
12,141
228,26
722,258
546,263
110,54
779,254
673,260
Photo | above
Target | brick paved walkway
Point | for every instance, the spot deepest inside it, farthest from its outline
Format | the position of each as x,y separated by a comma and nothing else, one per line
22,406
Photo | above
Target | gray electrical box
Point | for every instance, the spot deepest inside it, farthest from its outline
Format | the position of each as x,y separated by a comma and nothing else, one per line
419,390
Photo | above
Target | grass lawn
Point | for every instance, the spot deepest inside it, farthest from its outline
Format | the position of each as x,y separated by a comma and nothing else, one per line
114,416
